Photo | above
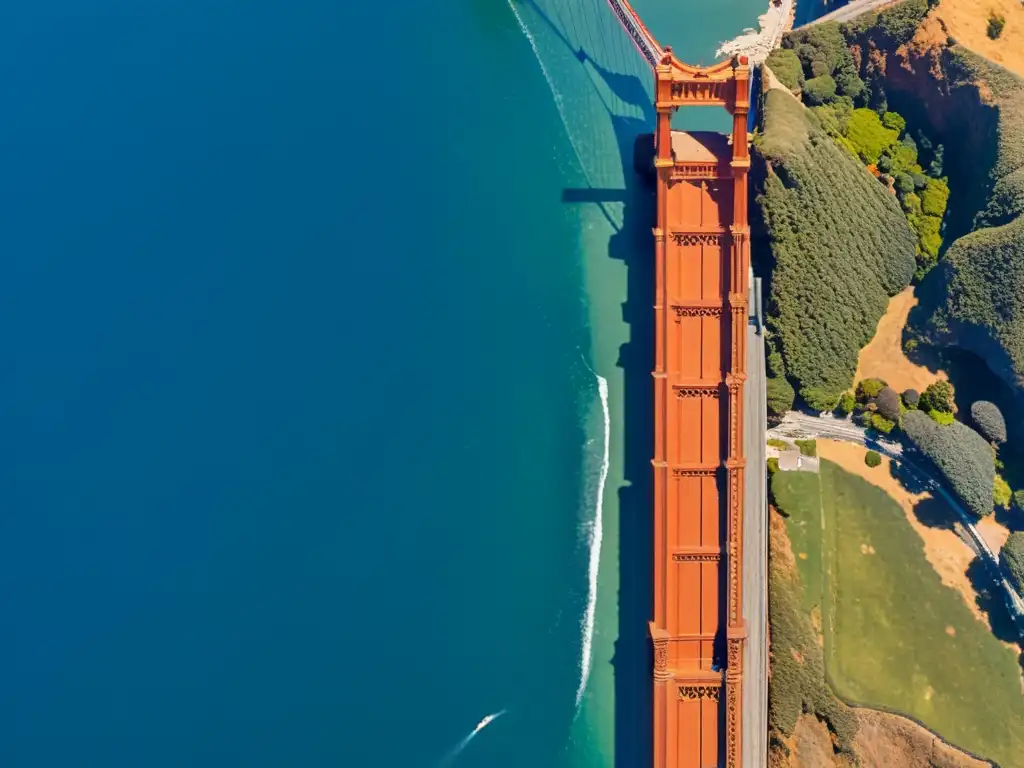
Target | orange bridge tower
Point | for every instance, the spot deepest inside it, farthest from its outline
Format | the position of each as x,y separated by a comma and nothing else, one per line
701,294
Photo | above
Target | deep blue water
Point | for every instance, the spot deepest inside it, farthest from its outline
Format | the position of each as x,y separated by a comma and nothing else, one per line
299,429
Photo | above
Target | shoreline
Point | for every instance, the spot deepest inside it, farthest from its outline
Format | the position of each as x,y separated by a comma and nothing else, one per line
757,44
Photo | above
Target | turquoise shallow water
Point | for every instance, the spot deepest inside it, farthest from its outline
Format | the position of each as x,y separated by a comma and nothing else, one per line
303,437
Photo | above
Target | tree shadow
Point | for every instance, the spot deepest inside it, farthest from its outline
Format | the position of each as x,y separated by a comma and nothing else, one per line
991,602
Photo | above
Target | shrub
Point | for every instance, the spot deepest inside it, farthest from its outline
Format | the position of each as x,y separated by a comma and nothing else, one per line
1012,556
868,389
807,447
905,185
934,198
832,226
988,420
1018,500
779,395
773,465
882,424
872,458
996,22
962,456
911,397
941,417
894,122
846,402
774,442
787,67
1001,493
869,136
938,396
819,90
819,399
888,402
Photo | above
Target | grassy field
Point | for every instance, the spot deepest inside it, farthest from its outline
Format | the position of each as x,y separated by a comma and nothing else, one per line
894,636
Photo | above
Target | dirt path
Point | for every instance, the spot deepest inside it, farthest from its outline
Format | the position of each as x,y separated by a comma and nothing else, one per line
967,21
883,357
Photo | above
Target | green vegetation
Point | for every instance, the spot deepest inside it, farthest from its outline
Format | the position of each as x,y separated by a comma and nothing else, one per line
888,404
774,442
938,396
911,398
945,418
868,389
894,635
780,395
980,301
872,458
787,67
996,22
773,466
1018,500
807,447
798,682
989,421
1001,493
960,454
834,227
1012,556
847,94
847,403
882,424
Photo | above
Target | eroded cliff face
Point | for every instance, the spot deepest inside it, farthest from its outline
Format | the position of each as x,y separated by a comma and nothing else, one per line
971,110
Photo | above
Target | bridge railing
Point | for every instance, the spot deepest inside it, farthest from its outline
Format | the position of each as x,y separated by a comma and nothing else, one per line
641,36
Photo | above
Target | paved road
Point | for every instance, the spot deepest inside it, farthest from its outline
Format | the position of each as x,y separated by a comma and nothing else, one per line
796,425
847,12
755,558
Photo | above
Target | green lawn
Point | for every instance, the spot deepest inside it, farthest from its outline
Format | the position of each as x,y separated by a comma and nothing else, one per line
895,636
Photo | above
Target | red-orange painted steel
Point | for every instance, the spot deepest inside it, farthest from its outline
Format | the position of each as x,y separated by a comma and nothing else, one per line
702,257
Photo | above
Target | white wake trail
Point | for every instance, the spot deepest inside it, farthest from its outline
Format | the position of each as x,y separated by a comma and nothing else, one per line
455,751
595,535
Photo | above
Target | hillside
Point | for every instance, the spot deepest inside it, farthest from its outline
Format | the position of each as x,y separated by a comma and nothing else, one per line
913,64
982,305
840,247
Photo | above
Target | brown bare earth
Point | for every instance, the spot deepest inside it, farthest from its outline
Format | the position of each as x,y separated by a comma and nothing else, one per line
966,21
993,532
883,357
895,742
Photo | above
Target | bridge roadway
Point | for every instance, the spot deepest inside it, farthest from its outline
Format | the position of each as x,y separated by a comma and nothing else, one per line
755,549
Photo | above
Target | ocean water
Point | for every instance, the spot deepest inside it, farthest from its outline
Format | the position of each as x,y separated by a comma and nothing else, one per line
324,325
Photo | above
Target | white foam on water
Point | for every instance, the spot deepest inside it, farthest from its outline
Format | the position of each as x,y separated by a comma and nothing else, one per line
455,751
595,534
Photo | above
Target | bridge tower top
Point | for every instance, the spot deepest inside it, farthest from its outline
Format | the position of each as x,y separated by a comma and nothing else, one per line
725,84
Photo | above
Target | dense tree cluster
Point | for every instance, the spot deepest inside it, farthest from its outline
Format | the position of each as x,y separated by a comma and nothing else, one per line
787,67
989,421
963,457
872,458
1012,556
848,95
840,244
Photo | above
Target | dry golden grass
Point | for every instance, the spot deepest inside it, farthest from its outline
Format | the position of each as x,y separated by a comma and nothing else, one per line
883,357
967,21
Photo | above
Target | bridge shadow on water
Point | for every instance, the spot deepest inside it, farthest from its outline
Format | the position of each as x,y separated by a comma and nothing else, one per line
630,211
632,243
